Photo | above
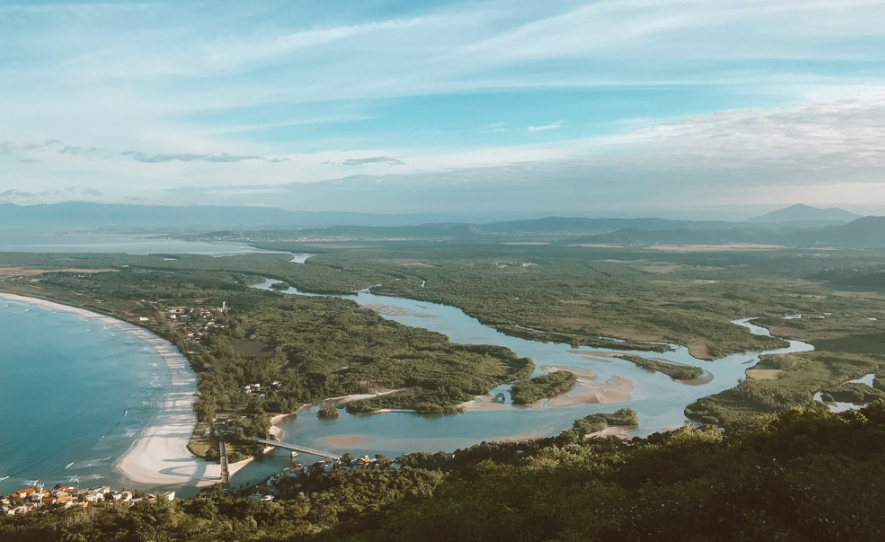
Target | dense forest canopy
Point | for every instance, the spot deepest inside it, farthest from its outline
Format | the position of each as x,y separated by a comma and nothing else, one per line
804,475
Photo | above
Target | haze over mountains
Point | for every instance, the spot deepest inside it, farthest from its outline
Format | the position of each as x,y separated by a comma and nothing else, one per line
798,225
806,215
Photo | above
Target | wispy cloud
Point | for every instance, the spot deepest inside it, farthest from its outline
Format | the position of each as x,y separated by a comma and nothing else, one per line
373,160
17,194
131,101
187,157
552,126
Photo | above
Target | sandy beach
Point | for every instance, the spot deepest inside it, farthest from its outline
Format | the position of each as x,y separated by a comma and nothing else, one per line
159,457
482,403
614,390
619,431
344,399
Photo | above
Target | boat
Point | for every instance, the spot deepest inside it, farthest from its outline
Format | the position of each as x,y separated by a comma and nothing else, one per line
294,455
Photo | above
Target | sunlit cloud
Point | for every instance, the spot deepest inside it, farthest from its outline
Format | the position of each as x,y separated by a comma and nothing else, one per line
677,102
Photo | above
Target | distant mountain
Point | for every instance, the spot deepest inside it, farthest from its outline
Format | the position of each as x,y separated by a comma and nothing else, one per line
806,216
98,216
866,232
587,226
636,237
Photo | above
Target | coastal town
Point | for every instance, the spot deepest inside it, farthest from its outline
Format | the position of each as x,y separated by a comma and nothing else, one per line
292,479
37,498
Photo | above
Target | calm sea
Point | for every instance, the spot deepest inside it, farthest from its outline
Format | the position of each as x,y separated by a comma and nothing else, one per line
74,394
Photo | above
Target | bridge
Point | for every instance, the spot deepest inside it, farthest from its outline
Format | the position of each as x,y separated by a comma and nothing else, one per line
297,448
225,473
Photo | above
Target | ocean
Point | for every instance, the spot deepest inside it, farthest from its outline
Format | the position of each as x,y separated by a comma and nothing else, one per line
74,395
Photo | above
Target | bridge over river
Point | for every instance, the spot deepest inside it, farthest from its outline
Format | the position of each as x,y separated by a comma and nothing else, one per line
297,448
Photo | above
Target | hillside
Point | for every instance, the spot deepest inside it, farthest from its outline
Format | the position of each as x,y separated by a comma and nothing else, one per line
867,232
802,476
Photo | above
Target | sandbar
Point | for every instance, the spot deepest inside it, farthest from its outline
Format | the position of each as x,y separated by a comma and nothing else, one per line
483,403
344,441
390,310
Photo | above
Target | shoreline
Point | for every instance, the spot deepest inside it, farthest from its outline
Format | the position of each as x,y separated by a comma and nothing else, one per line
158,457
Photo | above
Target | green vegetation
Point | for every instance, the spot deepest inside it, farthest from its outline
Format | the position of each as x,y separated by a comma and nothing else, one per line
540,387
804,475
298,349
676,371
584,296
279,286
595,423
328,412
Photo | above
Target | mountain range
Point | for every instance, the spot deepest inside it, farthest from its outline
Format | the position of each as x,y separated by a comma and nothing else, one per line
798,225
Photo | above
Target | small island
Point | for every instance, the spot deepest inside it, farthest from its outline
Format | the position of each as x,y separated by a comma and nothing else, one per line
594,423
540,387
327,413
279,286
676,371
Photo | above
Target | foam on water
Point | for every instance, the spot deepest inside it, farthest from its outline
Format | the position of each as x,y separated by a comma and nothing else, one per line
79,388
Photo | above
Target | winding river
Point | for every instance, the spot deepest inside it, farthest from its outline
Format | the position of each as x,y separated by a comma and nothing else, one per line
659,400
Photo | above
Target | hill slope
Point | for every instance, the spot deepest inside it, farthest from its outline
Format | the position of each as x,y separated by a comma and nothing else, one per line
805,214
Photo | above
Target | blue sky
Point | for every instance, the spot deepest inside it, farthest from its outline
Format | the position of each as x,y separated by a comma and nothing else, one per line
714,108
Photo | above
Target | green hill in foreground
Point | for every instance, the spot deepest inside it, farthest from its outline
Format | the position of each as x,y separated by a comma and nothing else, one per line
801,476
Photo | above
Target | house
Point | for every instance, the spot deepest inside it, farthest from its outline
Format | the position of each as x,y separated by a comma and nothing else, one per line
169,496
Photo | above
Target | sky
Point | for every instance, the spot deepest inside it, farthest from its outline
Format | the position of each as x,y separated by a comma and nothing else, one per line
692,108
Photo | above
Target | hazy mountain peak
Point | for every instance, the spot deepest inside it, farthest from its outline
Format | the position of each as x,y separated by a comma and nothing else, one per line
806,213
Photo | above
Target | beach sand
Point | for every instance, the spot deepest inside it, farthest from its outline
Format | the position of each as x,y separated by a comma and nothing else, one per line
614,390
482,403
619,431
159,457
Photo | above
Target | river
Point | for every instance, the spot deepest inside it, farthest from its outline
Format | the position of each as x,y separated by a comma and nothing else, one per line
657,399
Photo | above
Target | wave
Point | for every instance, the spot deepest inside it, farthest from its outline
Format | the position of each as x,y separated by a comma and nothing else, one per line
5,477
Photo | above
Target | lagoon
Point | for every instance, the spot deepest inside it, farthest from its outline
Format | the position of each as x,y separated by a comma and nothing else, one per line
659,400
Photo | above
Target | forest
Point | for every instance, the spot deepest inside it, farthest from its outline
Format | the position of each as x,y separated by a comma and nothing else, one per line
802,475
585,296
524,392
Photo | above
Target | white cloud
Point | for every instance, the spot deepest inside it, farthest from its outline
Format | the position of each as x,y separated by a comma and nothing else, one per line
552,126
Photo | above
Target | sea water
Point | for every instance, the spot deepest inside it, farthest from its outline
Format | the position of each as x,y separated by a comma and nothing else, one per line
74,395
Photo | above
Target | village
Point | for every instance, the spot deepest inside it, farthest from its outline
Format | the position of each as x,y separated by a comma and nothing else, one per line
38,498
196,321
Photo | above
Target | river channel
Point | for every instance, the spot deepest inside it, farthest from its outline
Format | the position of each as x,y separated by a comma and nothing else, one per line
659,400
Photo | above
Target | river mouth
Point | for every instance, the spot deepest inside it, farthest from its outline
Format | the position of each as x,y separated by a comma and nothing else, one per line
659,400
